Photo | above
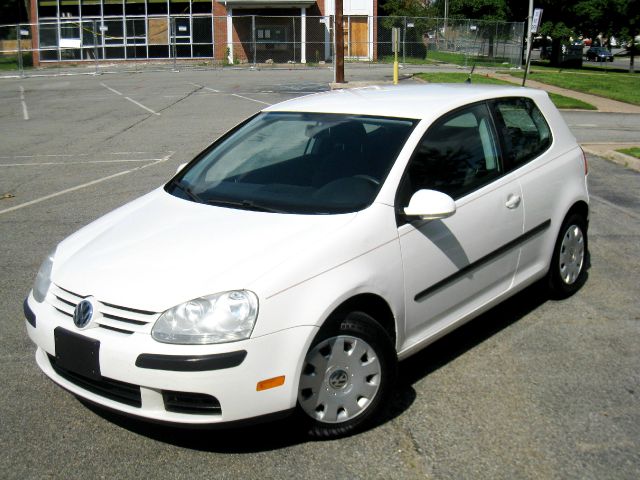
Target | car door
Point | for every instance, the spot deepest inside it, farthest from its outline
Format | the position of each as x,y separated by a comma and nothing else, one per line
455,265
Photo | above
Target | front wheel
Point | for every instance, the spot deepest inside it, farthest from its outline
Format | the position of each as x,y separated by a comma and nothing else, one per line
347,376
567,272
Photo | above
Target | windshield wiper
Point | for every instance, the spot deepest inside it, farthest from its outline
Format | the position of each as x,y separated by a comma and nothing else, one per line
243,205
186,189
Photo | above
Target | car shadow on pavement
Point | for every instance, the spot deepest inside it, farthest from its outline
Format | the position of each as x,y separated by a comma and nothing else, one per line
287,432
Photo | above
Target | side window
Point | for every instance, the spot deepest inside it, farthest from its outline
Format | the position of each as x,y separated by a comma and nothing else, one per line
457,155
523,130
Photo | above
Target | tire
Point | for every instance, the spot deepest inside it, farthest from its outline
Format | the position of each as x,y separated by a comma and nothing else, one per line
347,376
568,269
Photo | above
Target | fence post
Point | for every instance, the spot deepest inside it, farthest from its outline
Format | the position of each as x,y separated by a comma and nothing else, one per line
19,38
172,41
253,38
404,40
95,46
135,41
293,21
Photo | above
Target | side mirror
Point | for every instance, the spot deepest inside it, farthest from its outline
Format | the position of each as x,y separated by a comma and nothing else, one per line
430,205
180,167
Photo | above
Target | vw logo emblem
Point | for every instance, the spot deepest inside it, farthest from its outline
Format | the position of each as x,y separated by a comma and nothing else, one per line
83,314
339,379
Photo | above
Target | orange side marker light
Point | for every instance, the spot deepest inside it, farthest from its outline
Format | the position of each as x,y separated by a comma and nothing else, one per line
270,383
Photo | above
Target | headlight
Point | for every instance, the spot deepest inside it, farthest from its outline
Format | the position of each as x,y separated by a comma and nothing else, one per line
43,279
220,318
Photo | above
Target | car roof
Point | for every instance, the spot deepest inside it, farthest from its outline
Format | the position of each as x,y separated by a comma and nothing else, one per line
407,101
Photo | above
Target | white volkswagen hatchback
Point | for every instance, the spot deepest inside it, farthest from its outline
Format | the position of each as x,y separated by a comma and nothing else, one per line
294,261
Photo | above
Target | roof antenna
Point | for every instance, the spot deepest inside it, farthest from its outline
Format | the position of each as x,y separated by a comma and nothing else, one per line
468,80
475,59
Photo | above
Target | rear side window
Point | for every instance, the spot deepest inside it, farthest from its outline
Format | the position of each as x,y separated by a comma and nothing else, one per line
523,130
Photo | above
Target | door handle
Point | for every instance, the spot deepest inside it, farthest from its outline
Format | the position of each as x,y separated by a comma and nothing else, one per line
513,201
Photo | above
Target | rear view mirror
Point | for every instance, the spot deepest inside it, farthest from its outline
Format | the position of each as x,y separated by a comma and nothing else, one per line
430,205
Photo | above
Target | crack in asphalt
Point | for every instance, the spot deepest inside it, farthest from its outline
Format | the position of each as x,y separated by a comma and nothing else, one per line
181,99
135,124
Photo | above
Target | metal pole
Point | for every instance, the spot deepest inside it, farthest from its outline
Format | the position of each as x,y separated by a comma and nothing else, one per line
339,36
293,21
19,38
95,45
446,15
253,33
173,43
529,20
404,39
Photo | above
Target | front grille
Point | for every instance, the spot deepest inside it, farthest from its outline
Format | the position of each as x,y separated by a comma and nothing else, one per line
112,317
194,403
115,390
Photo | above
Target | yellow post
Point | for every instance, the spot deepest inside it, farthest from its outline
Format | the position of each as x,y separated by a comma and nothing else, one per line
395,70
395,41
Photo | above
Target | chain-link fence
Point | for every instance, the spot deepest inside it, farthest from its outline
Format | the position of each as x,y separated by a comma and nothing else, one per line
460,42
94,45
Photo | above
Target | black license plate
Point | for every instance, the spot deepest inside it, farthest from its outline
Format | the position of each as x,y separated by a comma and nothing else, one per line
77,353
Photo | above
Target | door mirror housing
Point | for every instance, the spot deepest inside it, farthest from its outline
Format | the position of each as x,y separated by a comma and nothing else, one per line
430,205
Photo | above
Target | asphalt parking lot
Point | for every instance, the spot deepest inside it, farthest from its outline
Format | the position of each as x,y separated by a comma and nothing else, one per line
533,389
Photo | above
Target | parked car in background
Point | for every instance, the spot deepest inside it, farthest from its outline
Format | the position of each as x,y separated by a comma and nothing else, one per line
294,261
599,54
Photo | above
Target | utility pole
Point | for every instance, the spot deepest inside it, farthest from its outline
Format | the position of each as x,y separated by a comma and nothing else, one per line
529,38
339,40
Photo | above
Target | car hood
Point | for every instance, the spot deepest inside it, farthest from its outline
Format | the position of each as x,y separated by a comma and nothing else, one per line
160,250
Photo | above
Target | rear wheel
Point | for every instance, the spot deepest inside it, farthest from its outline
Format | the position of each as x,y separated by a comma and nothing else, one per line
347,376
567,272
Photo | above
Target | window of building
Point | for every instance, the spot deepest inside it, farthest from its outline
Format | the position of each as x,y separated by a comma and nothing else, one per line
134,7
47,9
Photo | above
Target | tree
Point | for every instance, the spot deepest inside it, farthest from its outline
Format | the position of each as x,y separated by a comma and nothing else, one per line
495,10
408,8
610,17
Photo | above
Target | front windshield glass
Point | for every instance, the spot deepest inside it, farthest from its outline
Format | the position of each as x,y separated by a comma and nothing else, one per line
308,163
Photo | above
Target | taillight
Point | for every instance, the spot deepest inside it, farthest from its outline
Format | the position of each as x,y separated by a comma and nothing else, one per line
586,165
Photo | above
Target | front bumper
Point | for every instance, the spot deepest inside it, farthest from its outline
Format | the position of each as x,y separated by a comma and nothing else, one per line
190,384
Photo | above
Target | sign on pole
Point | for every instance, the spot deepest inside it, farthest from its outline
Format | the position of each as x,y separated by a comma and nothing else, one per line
535,22
395,39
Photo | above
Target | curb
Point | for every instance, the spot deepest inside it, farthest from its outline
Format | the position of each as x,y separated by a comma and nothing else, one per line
608,152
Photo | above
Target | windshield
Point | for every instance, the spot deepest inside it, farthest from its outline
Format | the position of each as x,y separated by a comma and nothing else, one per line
308,163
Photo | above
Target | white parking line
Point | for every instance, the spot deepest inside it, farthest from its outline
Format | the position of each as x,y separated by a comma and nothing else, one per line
41,164
84,185
112,89
56,155
129,98
142,106
25,112
252,99
204,88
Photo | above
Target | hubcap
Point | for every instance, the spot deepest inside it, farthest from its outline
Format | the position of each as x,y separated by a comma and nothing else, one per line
571,254
340,378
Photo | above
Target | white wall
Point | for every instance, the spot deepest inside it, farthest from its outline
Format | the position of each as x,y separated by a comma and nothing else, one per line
351,7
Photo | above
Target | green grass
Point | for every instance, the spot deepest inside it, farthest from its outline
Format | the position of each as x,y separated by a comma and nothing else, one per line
624,87
633,151
559,101
11,63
